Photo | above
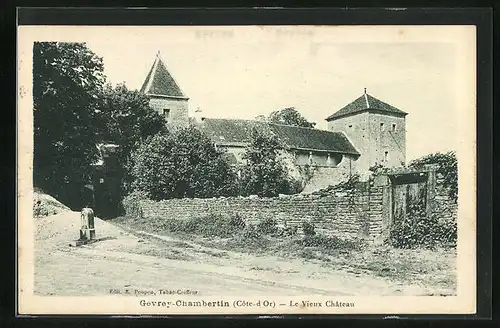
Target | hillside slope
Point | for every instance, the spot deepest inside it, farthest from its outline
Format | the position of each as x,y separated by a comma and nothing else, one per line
45,205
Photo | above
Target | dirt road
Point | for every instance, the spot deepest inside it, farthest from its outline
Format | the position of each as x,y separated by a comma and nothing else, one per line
134,262
86,272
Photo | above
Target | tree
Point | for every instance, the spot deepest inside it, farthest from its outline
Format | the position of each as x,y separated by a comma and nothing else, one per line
182,164
447,168
67,78
289,116
264,173
126,116
126,119
261,118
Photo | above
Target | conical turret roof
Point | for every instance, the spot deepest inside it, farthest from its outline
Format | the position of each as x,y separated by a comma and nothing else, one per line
160,82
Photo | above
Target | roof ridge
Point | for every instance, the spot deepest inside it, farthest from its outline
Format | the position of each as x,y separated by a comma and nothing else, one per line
306,128
152,74
297,126
271,123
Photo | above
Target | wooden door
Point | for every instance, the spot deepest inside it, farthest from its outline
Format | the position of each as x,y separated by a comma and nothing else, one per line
409,196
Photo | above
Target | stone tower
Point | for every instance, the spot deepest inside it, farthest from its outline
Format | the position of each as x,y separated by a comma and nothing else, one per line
375,128
166,97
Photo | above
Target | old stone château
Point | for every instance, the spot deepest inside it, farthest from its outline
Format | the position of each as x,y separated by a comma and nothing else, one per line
364,133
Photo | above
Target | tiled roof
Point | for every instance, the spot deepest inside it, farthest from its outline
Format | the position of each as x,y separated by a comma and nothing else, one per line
364,103
238,132
160,82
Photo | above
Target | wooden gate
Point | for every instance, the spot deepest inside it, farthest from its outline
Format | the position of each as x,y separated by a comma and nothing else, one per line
409,192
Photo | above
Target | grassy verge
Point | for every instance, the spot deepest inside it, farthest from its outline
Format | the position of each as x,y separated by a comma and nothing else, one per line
433,268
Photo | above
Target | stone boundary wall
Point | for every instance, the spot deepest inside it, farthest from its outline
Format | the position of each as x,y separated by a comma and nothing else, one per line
348,214
363,211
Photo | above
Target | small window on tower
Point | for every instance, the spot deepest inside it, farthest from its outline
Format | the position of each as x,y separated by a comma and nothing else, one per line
381,126
393,127
386,156
350,125
166,114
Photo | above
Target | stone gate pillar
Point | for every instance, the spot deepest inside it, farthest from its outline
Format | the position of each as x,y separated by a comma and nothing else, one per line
431,187
382,180
87,229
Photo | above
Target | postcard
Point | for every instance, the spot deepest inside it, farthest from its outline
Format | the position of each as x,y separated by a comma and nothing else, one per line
266,170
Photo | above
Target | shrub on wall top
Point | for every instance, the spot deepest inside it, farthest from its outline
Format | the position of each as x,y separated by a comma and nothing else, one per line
447,167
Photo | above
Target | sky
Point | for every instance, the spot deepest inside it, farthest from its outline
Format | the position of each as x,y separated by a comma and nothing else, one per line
242,72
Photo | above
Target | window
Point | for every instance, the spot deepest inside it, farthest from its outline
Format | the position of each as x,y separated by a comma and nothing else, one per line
166,114
393,127
381,126
350,125
386,156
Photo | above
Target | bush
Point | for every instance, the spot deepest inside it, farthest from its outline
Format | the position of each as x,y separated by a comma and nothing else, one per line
416,230
267,226
237,221
182,164
447,168
447,233
39,210
211,225
216,225
308,228
175,225
249,239
251,232
131,205
288,231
